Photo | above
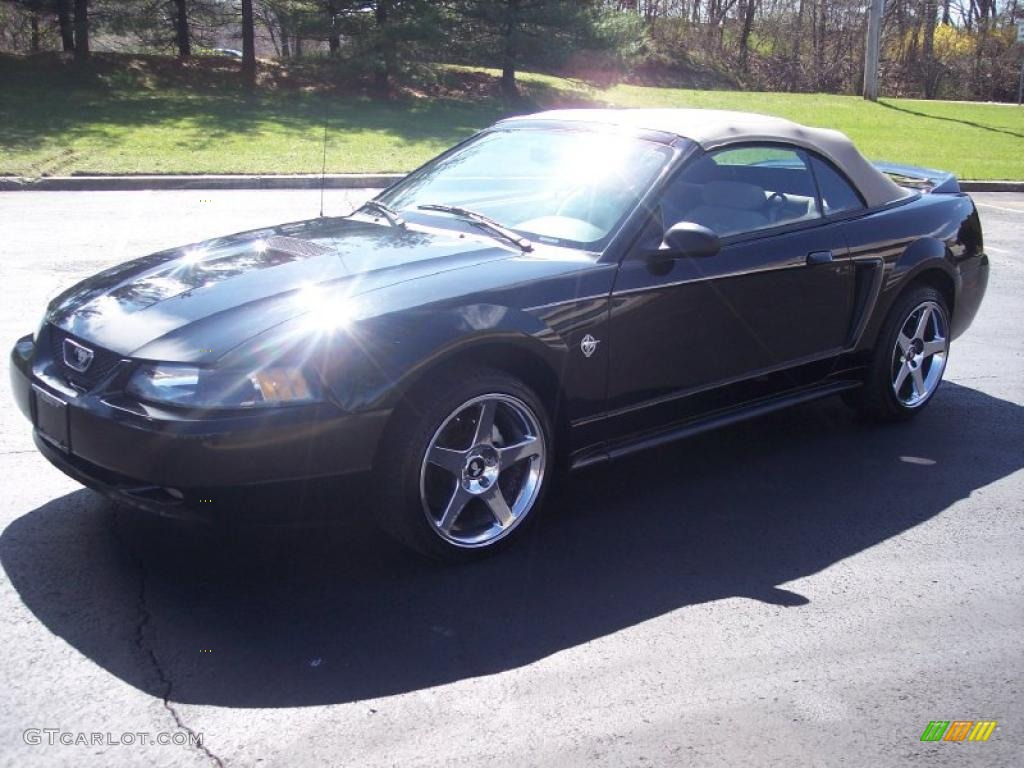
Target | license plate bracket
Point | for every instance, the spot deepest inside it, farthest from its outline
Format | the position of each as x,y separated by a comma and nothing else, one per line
51,418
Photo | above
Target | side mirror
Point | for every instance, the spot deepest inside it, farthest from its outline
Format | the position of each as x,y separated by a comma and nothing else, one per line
686,240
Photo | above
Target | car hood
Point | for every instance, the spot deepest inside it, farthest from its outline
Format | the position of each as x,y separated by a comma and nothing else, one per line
194,304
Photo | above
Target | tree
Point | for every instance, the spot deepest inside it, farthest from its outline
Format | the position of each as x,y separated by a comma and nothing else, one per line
523,30
386,35
248,44
34,22
31,12
385,48
747,10
81,29
333,8
67,30
181,32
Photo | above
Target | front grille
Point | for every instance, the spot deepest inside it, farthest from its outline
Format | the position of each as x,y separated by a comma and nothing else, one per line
103,361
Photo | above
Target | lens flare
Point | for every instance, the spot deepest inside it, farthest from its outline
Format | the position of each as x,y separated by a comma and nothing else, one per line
323,312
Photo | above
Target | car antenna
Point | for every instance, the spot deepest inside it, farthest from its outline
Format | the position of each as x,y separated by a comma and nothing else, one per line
323,167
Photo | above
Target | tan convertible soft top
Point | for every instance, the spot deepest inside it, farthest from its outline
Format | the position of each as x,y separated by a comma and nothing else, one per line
713,128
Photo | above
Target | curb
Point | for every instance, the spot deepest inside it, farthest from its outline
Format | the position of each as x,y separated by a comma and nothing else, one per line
992,186
137,183
290,181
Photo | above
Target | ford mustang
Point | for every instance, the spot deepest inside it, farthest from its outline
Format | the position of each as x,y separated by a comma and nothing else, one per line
560,289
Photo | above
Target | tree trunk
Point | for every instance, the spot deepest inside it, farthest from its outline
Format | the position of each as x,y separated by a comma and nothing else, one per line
248,44
794,66
382,76
929,74
81,29
34,23
333,39
283,32
181,29
819,44
748,22
508,66
67,30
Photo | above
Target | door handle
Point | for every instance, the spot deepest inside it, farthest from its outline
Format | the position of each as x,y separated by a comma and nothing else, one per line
819,257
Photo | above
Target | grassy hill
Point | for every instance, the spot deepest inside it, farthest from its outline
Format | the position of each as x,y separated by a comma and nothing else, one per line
138,114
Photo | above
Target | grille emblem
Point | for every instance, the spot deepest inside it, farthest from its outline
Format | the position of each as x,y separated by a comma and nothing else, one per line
77,357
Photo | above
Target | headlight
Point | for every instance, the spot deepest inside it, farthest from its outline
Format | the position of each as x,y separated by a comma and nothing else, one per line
189,386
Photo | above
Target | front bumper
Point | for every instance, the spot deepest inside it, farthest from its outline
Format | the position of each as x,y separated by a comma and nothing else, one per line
113,447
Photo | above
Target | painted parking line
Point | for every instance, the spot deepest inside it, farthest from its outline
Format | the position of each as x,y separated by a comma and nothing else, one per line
999,207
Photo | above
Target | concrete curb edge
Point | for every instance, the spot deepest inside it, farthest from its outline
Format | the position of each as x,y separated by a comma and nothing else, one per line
133,183
992,186
291,181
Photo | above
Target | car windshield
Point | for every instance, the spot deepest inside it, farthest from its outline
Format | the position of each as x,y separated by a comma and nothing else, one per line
564,187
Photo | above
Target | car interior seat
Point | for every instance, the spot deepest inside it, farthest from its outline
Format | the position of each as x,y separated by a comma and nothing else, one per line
728,207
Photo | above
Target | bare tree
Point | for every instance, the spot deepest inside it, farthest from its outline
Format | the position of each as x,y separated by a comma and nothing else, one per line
248,44
67,29
81,29
747,11
385,52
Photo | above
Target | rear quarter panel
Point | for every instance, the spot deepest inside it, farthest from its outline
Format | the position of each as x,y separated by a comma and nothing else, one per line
934,234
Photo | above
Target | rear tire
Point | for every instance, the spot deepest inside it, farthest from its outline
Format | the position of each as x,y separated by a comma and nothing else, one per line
909,359
465,465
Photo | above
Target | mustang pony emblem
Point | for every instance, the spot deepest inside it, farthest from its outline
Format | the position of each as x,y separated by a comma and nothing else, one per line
77,357
588,345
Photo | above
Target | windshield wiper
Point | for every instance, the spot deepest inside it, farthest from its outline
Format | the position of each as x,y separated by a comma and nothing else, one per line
394,217
492,226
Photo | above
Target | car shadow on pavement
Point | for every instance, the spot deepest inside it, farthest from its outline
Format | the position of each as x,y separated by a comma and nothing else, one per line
272,618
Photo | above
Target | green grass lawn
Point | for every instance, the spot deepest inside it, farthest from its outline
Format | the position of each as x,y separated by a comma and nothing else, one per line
141,119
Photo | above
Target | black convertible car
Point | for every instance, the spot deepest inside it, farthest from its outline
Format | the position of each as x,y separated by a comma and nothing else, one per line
561,288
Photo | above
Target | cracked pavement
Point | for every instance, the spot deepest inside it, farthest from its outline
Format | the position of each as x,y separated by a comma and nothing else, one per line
805,589
144,648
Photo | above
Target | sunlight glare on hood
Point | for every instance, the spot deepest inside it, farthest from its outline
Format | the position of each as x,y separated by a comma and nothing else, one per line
324,312
193,256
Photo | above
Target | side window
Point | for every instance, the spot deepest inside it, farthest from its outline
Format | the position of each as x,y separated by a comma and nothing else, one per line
837,196
744,189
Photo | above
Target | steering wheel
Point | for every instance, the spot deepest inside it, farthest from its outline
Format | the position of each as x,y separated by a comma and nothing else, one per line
776,203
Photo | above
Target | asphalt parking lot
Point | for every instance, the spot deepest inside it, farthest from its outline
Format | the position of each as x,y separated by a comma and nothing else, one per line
802,590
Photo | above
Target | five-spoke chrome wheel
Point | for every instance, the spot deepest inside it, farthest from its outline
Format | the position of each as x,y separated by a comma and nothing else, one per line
483,470
919,356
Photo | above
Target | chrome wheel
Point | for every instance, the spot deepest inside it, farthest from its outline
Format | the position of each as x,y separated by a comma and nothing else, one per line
919,357
482,470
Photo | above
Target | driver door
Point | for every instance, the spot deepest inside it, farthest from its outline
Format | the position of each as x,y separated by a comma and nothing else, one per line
776,299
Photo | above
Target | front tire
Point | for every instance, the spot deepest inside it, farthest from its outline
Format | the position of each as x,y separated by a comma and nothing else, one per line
910,358
466,465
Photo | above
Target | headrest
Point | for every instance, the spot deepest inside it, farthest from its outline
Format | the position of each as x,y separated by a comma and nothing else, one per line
734,194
